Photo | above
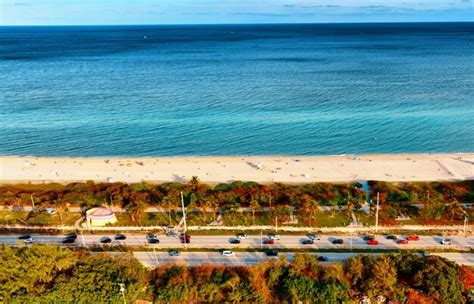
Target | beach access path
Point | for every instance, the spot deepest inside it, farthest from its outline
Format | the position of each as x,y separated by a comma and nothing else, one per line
264,169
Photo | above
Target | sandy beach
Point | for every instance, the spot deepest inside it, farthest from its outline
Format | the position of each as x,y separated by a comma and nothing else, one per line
402,167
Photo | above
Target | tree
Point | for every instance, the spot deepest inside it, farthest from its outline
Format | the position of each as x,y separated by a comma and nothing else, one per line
254,207
456,210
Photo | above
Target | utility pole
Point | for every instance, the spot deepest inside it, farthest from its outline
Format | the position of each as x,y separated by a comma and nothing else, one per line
156,257
33,202
276,223
465,225
377,213
351,239
261,239
184,217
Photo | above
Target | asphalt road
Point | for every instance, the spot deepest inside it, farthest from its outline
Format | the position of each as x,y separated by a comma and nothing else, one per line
222,241
152,259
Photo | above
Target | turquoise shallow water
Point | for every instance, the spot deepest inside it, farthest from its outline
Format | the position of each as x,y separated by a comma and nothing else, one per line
240,89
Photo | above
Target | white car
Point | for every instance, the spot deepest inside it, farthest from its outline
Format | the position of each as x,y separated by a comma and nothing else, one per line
242,236
29,240
228,253
272,236
314,237
446,242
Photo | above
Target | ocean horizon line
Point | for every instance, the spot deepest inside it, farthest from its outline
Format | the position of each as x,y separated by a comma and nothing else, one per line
233,24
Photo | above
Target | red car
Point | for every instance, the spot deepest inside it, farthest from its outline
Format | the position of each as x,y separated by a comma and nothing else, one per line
269,242
373,242
413,238
185,238
402,242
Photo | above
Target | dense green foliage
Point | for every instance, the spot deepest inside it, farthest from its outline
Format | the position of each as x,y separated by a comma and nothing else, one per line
53,274
441,200
167,194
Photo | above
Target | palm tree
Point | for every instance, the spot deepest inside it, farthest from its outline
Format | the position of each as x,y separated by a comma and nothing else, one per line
456,209
195,184
135,211
170,201
254,206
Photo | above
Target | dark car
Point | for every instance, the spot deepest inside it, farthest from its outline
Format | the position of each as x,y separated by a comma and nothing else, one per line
24,237
68,240
368,237
152,239
338,241
268,242
105,240
185,238
119,237
234,241
391,237
322,258
173,253
71,236
273,253
307,242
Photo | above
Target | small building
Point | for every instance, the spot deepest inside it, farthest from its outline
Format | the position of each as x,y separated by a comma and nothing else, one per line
100,216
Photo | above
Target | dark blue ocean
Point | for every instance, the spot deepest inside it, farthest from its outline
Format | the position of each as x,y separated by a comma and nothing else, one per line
237,89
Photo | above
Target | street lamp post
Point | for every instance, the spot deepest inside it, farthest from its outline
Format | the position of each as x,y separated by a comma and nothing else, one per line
184,219
351,239
377,214
465,225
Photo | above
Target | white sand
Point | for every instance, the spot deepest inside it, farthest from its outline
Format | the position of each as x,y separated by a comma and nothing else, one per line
402,167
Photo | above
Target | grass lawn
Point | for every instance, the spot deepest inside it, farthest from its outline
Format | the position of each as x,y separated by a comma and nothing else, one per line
39,218
321,219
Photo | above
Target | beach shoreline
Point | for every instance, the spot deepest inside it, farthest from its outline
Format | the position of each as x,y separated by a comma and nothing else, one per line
216,169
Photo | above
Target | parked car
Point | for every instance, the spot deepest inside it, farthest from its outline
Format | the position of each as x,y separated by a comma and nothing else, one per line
368,237
173,253
228,253
105,240
268,241
338,241
273,236
185,238
314,237
322,258
413,238
445,242
171,234
234,241
391,237
372,242
272,253
307,242
24,237
152,239
119,237
242,236
402,242
425,253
